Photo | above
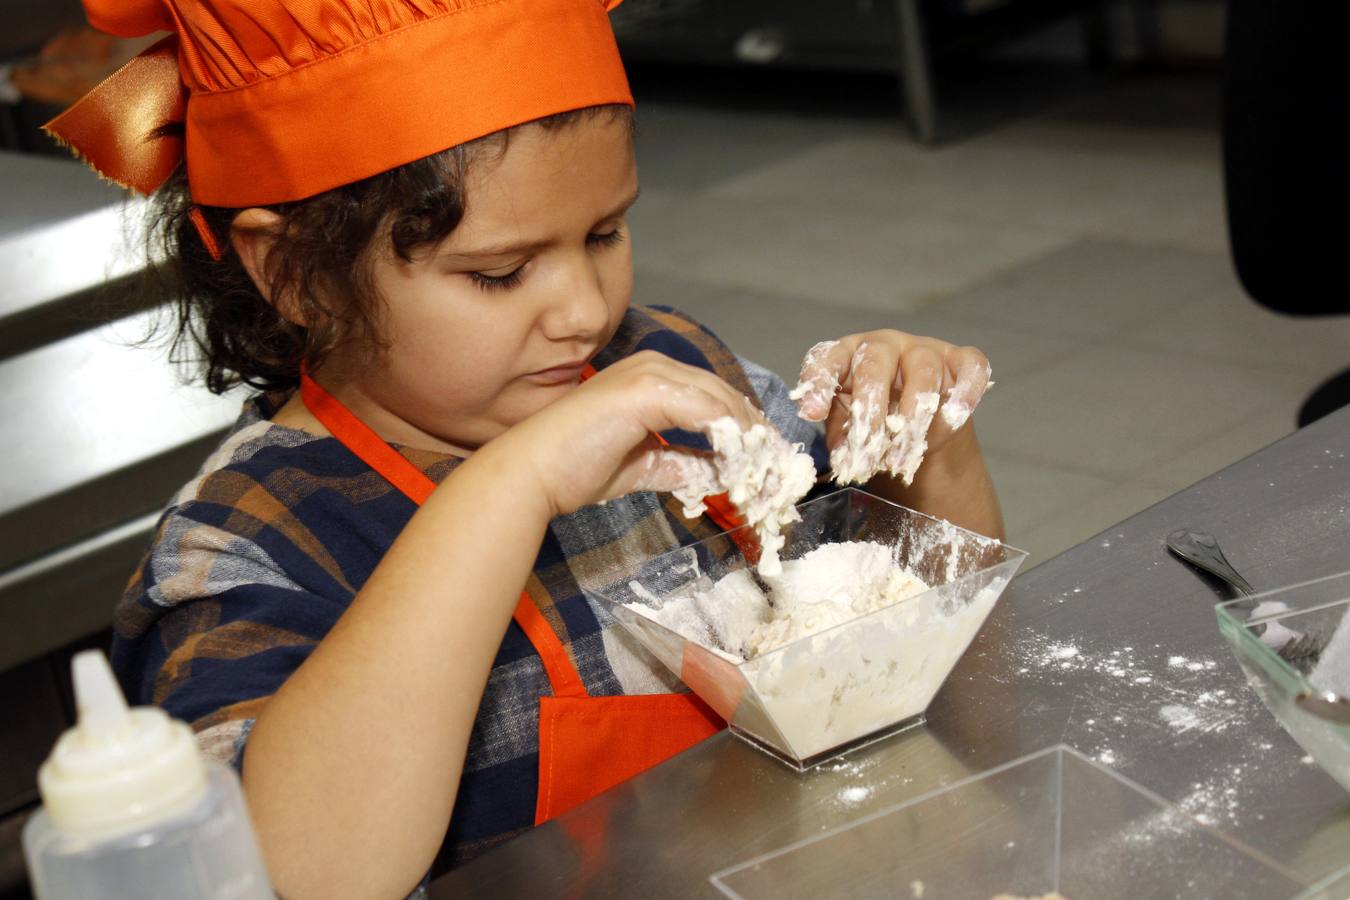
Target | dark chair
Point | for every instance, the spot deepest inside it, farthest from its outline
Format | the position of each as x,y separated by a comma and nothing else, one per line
1285,171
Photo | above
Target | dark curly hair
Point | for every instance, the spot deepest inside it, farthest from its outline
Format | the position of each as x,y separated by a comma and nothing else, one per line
320,260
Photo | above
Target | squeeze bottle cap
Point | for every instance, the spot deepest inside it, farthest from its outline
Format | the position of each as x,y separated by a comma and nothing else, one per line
118,769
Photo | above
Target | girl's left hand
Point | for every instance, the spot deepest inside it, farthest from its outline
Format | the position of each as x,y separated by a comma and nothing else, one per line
887,397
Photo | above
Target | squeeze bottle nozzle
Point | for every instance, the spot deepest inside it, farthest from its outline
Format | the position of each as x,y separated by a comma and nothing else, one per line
102,711
117,767
132,809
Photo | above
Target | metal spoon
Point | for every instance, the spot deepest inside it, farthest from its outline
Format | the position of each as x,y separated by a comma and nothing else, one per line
1325,705
1203,551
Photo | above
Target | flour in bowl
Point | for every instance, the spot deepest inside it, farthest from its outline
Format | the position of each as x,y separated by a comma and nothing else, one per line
823,682
829,586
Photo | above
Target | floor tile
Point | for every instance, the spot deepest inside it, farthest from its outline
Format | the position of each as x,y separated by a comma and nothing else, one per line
1226,325
1031,494
1013,354
1093,289
773,330
832,255
674,150
1051,184
1114,411
1148,103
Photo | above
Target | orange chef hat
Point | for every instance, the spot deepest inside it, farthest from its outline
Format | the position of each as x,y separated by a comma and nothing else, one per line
277,100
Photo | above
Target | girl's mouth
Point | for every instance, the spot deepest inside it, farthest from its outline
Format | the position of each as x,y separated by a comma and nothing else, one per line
564,374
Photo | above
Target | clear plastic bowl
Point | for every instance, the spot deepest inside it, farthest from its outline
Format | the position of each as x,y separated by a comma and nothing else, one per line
1052,821
828,693
1319,609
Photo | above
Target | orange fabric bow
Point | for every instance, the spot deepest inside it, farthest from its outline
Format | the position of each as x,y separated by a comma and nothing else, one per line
130,127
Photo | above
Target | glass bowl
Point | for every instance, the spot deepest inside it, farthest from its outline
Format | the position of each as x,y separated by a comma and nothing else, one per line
822,695
1319,612
1052,821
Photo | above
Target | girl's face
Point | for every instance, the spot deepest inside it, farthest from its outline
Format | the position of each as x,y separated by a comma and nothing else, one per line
497,321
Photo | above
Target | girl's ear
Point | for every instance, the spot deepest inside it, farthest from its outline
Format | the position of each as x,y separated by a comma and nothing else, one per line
253,233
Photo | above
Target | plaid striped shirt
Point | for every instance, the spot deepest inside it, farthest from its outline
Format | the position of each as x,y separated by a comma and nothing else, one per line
257,557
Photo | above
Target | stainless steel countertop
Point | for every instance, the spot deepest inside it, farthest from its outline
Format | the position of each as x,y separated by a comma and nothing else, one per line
96,432
1088,649
62,231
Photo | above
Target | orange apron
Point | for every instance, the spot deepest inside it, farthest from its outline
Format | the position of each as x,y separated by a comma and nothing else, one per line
586,744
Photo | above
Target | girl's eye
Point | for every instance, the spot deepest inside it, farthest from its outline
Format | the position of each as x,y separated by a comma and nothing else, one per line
609,239
496,282
512,279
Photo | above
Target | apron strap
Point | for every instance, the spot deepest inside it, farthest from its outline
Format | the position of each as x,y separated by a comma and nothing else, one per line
375,452
562,674
368,446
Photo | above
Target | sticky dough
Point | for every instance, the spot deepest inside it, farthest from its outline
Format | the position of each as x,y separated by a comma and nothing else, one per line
762,474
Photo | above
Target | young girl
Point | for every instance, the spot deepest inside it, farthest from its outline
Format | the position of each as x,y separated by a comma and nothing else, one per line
404,222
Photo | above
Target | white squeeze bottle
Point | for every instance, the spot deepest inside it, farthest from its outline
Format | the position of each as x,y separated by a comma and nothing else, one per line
131,809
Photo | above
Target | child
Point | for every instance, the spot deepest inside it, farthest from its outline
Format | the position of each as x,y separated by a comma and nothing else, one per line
404,222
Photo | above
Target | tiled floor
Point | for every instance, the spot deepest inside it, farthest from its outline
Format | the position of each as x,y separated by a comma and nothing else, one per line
1082,247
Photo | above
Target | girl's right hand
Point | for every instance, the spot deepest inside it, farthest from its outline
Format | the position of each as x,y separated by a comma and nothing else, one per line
598,441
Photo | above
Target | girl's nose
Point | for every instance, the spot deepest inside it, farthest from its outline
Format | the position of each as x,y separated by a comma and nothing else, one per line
579,310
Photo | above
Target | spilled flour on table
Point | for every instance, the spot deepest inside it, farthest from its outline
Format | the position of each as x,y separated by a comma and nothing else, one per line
1137,694
856,794
862,783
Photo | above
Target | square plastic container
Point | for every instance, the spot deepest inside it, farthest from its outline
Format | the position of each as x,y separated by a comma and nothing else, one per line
826,694
1053,821
1318,609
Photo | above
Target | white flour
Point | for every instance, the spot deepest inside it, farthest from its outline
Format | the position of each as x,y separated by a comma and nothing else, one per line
829,586
832,584
832,684
851,796
762,474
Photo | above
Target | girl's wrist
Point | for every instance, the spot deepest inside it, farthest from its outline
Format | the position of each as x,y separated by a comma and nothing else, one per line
956,453
504,473
948,471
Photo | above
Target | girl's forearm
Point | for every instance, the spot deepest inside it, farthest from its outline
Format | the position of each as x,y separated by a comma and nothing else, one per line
352,767
952,484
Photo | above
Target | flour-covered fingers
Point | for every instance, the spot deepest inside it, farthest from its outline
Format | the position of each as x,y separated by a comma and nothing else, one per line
872,372
921,374
969,369
823,368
